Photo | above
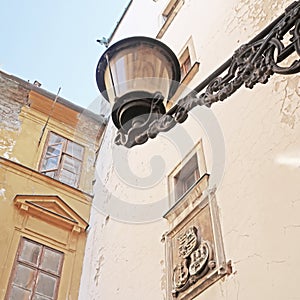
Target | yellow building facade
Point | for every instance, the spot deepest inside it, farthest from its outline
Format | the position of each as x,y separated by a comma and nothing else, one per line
48,148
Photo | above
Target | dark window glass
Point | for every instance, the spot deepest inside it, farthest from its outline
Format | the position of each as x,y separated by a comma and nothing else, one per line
186,177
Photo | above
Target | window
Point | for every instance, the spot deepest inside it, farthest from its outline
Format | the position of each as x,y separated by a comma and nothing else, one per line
189,67
169,10
186,177
36,272
168,15
189,178
185,62
62,159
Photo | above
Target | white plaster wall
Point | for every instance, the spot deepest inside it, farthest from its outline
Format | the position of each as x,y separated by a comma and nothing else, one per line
259,194
124,260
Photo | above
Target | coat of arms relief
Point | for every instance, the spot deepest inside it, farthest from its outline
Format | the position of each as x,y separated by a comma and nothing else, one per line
196,259
194,248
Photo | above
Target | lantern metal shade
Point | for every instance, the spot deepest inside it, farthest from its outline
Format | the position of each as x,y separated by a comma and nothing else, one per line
137,75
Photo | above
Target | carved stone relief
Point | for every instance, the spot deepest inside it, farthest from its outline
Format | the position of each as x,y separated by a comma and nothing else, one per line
194,248
196,259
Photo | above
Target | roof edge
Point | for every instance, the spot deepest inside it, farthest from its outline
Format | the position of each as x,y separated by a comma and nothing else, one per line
119,22
61,100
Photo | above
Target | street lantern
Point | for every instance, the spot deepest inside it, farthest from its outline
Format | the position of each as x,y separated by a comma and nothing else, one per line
138,75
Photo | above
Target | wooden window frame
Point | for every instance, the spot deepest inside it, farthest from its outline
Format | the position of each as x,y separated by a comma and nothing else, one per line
36,267
61,158
185,62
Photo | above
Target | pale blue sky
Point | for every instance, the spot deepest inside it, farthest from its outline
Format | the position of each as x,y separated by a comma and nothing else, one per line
54,42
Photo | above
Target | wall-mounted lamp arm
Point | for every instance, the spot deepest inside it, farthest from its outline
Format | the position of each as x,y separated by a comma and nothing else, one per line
252,63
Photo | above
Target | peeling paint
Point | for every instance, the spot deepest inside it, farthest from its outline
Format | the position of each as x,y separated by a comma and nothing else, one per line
163,279
100,262
9,114
2,194
6,147
106,220
252,16
12,99
288,90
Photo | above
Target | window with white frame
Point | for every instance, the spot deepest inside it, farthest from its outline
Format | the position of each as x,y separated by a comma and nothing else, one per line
187,174
185,62
170,8
186,177
169,14
36,272
62,159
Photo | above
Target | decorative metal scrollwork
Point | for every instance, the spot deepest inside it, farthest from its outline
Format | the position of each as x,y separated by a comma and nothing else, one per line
252,63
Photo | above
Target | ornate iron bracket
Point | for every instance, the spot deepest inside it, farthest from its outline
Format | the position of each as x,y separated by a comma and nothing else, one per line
252,63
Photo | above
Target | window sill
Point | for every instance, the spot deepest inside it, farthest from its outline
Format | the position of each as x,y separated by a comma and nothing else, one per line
184,82
191,73
188,201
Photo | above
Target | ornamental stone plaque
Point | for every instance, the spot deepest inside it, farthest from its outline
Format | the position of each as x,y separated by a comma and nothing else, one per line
194,248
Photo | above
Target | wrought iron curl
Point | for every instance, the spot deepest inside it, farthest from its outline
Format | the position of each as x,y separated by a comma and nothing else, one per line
252,63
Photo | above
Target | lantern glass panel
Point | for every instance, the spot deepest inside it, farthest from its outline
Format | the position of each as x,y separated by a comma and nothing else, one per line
138,64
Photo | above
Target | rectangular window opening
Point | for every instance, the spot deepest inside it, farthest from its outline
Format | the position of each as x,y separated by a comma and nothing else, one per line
62,159
185,62
36,272
187,177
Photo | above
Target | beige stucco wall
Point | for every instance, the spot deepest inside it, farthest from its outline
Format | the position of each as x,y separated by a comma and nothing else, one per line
258,196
